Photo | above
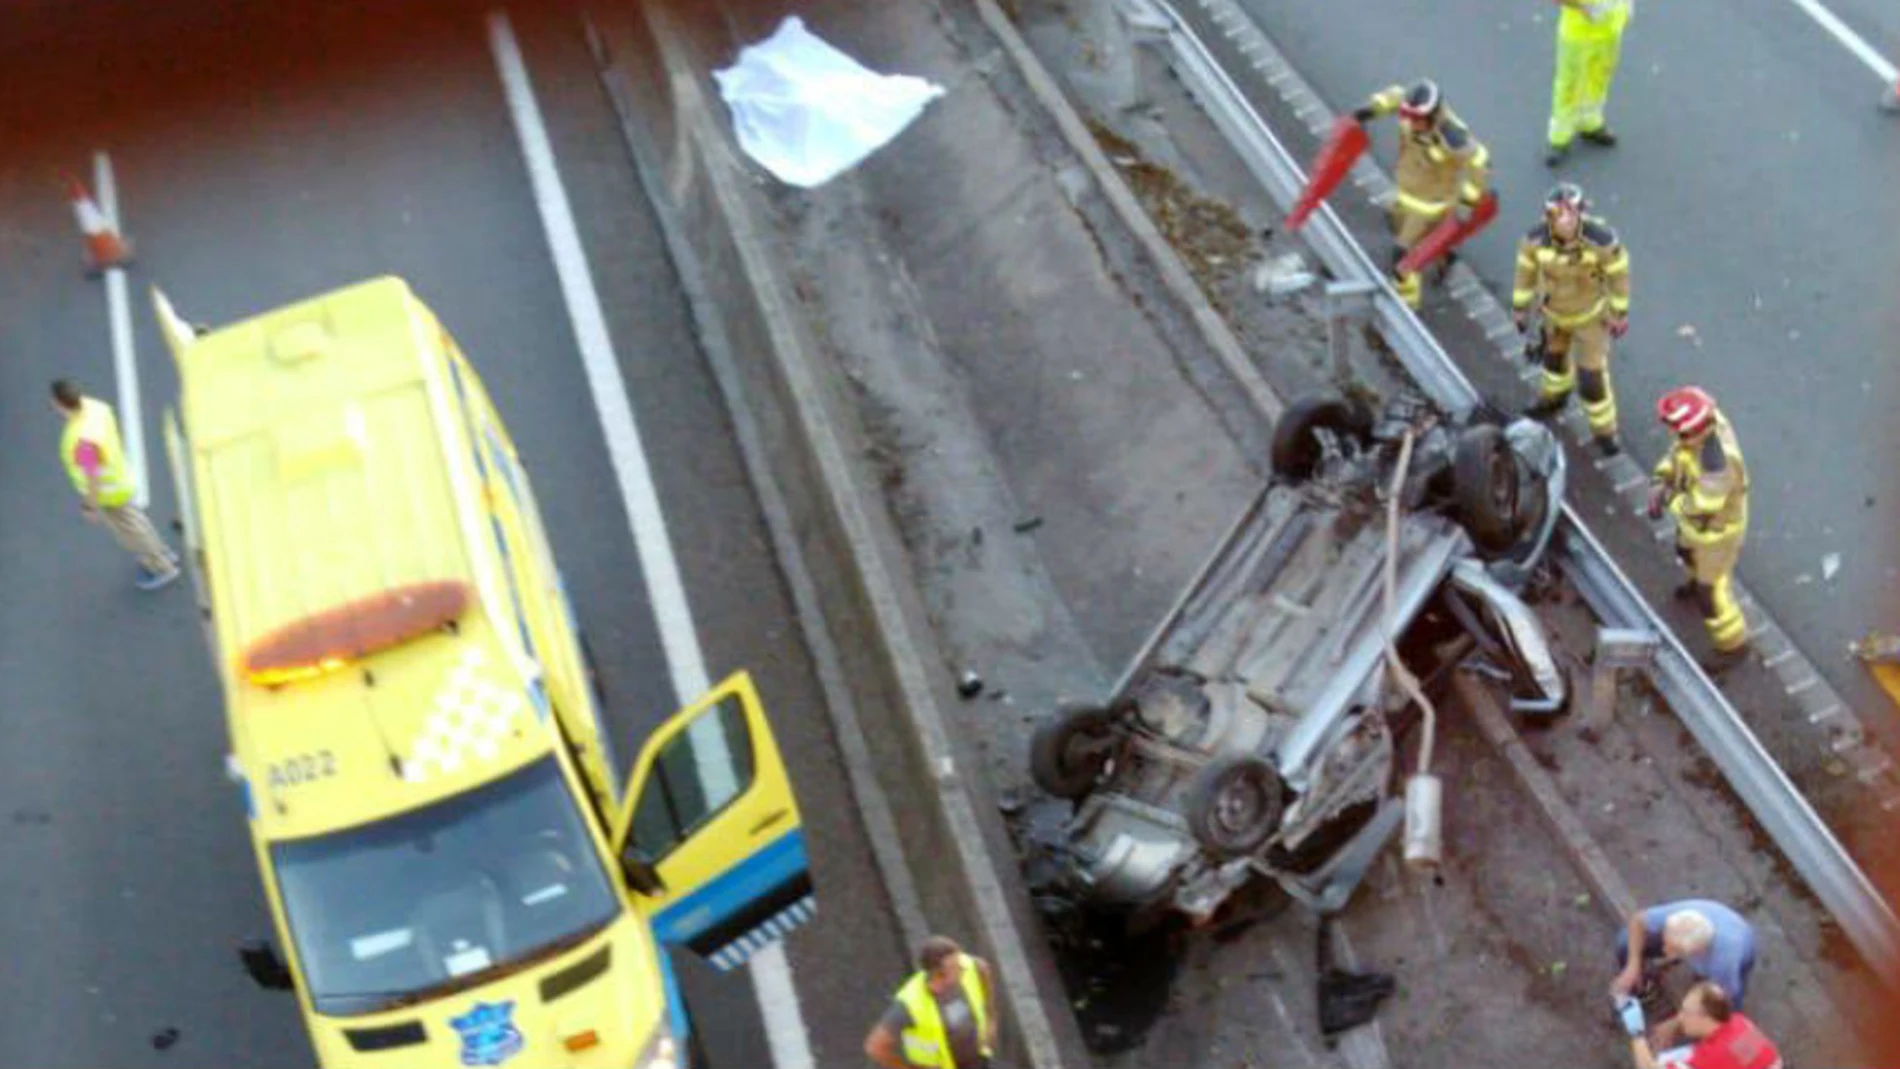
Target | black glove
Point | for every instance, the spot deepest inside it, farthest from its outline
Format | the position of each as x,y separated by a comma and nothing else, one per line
1365,114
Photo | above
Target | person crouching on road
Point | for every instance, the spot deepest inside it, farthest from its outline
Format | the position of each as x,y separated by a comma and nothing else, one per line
1712,939
1575,263
1720,1037
1441,168
943,1016
1703,482
95,462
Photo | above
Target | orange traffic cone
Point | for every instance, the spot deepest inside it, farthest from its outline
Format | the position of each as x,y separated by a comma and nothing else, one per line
105,248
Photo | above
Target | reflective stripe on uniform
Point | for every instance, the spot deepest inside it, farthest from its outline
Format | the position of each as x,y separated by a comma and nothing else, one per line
1421,206
95,423
1557,384
1578,319
1728,629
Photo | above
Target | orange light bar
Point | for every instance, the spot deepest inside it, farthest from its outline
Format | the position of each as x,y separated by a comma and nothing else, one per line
581,1040
326,641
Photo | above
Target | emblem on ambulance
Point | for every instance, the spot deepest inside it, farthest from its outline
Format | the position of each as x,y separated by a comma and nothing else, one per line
489,1035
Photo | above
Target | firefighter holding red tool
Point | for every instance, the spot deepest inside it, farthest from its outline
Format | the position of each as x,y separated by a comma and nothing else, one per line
1703,482
1442,177
1577,270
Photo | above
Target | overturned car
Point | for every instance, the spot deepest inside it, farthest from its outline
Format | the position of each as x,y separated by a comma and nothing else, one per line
1256,735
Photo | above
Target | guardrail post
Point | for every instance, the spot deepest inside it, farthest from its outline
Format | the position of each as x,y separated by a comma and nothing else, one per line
1617,648
1129,31
1348,308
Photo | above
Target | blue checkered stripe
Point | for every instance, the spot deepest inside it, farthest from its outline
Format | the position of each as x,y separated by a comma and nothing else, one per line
776,927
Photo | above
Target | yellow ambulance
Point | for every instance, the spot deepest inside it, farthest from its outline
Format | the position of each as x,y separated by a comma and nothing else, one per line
415,729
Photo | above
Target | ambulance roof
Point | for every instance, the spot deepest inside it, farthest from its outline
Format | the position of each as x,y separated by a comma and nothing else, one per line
332,469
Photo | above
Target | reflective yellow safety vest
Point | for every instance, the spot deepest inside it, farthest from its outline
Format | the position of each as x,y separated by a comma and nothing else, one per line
1576,26
96,424
926,1044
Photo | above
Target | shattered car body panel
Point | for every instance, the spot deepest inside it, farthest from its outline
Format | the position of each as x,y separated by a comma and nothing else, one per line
1256,733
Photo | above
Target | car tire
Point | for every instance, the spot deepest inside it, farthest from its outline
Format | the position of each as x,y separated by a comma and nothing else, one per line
1296,450
1070,750
1484,487
1234,804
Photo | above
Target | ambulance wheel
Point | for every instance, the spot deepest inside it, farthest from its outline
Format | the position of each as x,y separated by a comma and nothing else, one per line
1233,804
1070,750
1484,487
1297,443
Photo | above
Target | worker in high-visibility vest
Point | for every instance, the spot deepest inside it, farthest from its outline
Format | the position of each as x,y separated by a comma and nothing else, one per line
943,1016
1578,272
94,458
1589,45
1703,482
1441,169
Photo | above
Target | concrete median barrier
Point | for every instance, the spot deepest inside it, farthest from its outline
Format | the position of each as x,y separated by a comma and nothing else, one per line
940,846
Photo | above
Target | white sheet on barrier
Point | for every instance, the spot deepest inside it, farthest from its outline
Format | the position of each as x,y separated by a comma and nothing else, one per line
807,112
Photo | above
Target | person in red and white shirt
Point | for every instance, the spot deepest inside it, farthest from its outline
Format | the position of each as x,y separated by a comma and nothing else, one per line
1723,1038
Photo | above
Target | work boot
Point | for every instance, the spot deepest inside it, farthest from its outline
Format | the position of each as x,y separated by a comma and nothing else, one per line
1608,445
1685,591
1555,155
150,580
1600,136
1445,263
1547,407
1716,662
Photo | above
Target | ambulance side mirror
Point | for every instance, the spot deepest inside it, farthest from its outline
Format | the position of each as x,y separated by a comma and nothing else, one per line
263,966
641,873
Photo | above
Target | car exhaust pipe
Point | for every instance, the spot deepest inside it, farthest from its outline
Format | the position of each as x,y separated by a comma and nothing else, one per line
1424,822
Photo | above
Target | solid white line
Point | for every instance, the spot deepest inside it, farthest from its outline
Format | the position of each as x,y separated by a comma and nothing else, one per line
1854,42
785,1030
124,360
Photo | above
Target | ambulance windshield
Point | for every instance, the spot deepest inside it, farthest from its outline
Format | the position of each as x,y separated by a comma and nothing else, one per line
444,897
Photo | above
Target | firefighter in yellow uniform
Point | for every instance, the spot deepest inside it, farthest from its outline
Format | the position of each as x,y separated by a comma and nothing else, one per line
1582,273
1441,168
1703,482
1589,44
943,1016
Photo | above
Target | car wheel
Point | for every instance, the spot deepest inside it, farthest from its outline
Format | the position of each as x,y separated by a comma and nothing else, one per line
1484,487
1233,805
1070,750
1297,446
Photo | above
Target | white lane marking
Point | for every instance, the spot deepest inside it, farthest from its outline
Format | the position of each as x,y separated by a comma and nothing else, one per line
1854,42
119,316
785,1030
678,637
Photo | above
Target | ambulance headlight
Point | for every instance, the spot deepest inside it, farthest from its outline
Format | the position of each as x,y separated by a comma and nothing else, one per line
662,1052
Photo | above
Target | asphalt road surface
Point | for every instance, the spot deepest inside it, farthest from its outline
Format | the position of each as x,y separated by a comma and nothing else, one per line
265,152
1754,186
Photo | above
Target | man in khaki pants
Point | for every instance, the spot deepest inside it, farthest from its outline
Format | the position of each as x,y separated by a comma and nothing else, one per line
94,459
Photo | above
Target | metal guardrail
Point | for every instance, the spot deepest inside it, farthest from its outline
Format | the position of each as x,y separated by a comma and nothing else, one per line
1777,804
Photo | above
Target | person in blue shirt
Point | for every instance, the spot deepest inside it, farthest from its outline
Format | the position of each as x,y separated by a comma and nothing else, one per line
1712,939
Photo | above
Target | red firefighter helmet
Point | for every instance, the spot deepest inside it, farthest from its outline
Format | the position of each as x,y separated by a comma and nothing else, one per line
1421,102
1566,196
1686,410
